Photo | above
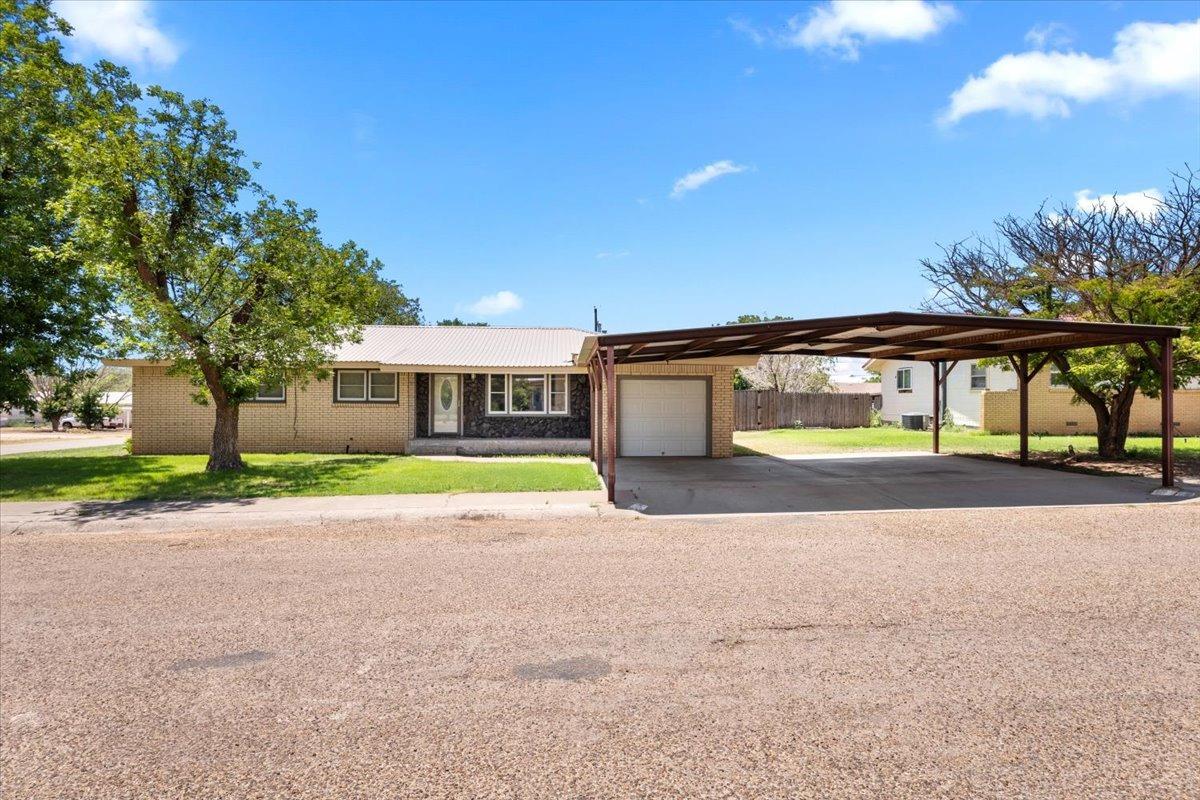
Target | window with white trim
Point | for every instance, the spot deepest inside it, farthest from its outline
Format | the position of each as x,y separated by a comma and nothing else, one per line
270,394
904,379
365,386
1057,380
528,394
381,387
497,394
558,394
978,377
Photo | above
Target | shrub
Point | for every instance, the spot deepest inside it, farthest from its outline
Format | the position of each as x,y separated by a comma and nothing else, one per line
90,409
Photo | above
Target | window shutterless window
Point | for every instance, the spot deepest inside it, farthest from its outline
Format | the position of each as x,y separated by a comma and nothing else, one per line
382,386
529,394
904,379
365,386
558,394
351,385
271,394
1056,378
978,377
497,394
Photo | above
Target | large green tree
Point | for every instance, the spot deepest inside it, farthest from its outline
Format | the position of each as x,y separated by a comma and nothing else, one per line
234,287
393,306
50,305
1104,263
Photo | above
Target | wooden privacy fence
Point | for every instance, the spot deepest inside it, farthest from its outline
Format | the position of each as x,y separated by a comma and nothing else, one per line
755,410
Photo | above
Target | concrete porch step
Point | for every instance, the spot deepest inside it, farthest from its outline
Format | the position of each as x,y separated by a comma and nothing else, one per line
445,446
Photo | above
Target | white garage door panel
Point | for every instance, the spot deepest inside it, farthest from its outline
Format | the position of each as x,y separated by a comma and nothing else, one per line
663,417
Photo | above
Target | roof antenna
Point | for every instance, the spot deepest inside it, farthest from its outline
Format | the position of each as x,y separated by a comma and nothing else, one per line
596,320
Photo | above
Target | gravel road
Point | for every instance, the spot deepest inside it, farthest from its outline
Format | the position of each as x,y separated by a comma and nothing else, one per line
903,655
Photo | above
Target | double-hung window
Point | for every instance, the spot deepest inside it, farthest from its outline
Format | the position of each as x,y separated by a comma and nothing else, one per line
978,377
497,394
363,386
1057,381
528,394
558,394
904,379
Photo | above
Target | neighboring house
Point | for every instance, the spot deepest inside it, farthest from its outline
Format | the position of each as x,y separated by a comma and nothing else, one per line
987,397
430,389
124,403
873,388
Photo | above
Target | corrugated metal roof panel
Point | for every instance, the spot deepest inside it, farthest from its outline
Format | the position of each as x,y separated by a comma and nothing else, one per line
464,346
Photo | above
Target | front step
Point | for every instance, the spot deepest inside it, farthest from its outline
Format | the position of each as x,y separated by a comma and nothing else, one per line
439,446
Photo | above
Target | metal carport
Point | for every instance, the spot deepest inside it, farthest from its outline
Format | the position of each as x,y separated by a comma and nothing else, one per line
942,340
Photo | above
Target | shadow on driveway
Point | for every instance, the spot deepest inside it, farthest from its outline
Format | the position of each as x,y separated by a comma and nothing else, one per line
868,482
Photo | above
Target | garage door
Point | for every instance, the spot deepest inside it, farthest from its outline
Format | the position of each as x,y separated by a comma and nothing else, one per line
663,417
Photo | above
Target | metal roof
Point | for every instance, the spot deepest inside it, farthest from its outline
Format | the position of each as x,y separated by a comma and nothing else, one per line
464,346
899,335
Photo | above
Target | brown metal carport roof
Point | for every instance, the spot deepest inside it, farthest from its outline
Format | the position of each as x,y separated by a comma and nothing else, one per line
899,335
940,339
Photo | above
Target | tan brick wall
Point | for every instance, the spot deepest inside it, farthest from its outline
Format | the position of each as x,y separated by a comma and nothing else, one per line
167,421
722,397
1050,409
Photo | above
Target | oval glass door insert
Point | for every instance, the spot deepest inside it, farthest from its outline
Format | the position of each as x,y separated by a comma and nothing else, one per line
447,394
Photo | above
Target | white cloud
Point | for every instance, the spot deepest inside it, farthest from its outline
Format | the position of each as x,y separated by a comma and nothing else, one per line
1049,34
124,30
1148,59
501,302
844,26
612,254
694,180
1145,203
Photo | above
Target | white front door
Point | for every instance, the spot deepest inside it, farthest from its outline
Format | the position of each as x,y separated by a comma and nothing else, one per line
445,403
663,417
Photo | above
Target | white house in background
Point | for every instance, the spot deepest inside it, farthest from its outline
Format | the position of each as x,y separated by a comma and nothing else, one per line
908,389
124,403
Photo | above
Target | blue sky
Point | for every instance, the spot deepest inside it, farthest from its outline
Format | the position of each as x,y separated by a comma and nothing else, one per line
537,156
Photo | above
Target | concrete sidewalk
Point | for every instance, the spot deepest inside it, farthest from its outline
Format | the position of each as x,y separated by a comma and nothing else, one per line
107,516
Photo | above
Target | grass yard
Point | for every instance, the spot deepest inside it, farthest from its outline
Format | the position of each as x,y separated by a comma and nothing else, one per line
109,473
789,441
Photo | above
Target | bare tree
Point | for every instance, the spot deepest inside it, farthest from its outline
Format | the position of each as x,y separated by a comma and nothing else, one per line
791,373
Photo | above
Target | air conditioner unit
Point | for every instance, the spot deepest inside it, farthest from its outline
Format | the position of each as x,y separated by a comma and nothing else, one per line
914,422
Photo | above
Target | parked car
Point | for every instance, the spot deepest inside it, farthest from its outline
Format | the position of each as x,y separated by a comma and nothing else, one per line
72,421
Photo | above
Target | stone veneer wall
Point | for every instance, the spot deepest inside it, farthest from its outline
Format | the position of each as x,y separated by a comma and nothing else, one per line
309,421
1052,408
721,425
478,424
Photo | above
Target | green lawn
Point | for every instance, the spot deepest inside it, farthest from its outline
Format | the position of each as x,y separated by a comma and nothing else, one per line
788,441
109,473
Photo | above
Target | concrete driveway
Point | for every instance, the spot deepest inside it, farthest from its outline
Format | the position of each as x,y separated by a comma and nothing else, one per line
858,482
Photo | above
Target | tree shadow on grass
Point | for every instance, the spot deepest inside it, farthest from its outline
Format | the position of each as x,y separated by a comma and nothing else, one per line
181,479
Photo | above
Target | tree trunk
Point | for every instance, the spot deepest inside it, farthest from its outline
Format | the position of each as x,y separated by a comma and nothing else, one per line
224,454
1112,428
54,423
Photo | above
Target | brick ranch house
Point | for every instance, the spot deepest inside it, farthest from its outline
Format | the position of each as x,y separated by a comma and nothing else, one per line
473,390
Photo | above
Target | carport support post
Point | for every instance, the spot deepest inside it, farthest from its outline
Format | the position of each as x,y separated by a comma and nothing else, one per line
937,405
1167,373
610,386
1023,383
